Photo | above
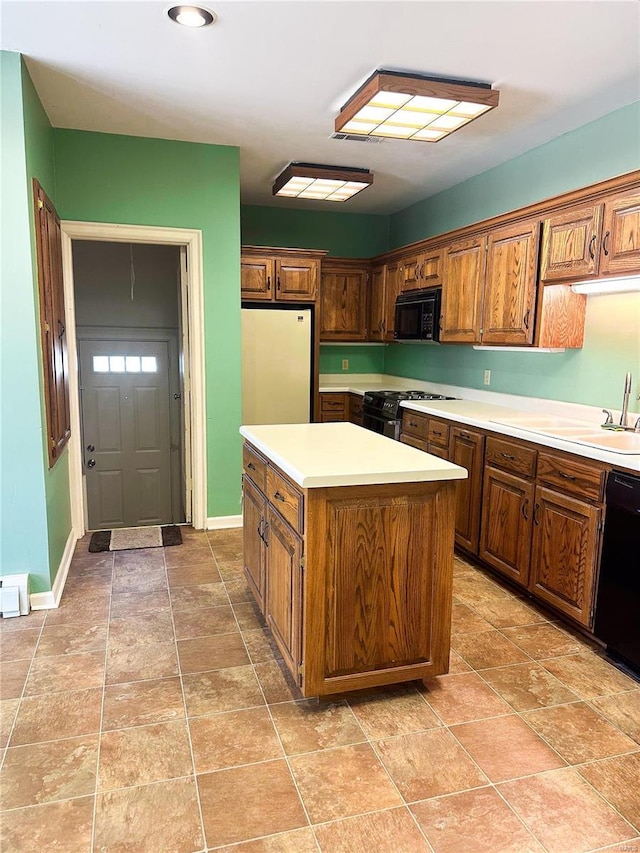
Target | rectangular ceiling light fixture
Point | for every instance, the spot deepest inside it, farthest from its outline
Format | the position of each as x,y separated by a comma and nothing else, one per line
412,106
322,183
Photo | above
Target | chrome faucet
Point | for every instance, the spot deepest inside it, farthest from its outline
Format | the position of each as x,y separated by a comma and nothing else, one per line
624,414
625,400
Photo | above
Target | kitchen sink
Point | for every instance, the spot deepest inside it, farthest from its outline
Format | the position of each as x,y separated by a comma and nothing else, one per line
616,442
576,431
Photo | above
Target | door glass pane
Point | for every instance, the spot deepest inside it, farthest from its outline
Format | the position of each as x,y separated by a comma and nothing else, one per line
133,364
149,364
117,363
100,363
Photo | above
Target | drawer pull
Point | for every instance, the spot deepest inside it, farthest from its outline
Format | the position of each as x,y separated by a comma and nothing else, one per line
565,476
464,435
437,432
508,456
251,466
280,497
332,403
413,424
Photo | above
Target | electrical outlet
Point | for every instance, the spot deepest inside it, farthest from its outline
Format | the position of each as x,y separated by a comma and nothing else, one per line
345,364
487,377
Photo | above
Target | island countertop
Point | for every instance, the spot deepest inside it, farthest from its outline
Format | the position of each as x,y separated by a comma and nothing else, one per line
343,454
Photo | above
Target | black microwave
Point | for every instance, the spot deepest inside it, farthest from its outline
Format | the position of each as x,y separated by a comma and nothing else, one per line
417,316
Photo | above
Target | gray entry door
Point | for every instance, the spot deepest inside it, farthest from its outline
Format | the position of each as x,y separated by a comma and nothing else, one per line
126,432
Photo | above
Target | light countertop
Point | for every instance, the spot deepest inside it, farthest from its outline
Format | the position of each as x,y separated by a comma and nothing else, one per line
343,454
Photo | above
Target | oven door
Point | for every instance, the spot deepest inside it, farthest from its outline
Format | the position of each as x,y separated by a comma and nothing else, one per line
381,425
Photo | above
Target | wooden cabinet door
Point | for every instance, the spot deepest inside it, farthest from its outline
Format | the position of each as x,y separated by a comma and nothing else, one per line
564,552
377,314
620,253
507,511
296,280
463,280
256,279
431,269
410,273
510,284
391,291
466,448
284,589
571,244
343,305
254,508
355,409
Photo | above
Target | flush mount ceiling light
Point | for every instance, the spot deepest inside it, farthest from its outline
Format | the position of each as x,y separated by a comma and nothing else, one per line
191,16
322,183
412,106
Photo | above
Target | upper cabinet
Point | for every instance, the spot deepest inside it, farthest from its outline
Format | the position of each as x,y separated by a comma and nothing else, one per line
421,270
593,241
383,291
268,275
464,273
344,300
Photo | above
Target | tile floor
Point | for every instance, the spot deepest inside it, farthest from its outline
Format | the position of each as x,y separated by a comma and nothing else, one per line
150,713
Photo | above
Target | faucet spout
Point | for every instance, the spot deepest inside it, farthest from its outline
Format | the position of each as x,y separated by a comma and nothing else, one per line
625,400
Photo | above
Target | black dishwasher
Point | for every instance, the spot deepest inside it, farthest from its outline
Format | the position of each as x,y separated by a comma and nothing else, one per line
617,617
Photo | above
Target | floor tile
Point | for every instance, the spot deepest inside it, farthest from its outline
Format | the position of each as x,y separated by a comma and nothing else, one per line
528,685
428,764
623,710
51,716
132,579
310,725
230,739
326,782
238,590
66,672
462,698
71,639
140,630
156,660
506,748
61,826
199,595
543,641
457,664
58,770
464,620
13,678
261,645
140,560
34,619
564,812
296,841
509,613
229,537
18,645
276,682
217,652
395,710
487,649
8,711
94,611
193,575
231,569
204,622
223,690
248,616
197,555
133,603
578,733
270,803
588,675
144,754
389,831
478,821
618,780
149,818
142,702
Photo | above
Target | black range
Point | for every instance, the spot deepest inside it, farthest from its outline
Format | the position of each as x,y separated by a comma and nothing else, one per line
381,409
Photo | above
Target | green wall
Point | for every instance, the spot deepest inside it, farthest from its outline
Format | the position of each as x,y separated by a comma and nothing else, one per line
368,359
344,235
139,181
592,375
24,543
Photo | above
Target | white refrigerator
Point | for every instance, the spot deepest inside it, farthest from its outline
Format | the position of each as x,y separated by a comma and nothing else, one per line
276,365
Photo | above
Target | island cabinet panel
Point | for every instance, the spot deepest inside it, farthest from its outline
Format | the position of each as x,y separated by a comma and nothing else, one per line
564,553
254,510
507,509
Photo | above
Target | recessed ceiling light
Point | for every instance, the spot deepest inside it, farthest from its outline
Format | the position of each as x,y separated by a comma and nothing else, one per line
191,16
412,106
321,183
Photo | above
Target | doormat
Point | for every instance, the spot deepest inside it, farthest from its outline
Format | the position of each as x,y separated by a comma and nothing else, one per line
131,538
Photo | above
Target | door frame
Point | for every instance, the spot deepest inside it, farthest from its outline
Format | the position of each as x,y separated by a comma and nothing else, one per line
192,307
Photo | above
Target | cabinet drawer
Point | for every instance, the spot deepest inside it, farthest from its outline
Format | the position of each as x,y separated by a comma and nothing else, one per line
415,425
331,403
418,443
576,478
438,433
511,457
285,498
254,466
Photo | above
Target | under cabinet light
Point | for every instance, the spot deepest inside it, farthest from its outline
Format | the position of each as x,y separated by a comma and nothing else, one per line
191,16
322,183
624,284
413,106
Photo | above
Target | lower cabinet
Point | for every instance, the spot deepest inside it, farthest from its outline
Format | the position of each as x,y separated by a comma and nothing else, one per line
507,506
333,407
254,511
466,448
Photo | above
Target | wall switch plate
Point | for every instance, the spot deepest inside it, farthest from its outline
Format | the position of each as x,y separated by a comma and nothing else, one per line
487,377
345,364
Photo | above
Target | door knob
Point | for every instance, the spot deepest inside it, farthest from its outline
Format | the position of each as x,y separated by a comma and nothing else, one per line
90,448
91,463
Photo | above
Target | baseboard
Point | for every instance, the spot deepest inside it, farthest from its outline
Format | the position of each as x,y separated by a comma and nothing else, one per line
221,522
50,600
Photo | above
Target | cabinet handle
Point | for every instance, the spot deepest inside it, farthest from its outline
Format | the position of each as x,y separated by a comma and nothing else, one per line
264,534
565,476
251,466
260,529
412,423
605,248
508,456
437,432
592,243
524,509
278,282
280,497
422,270
536,509
268,282
525,319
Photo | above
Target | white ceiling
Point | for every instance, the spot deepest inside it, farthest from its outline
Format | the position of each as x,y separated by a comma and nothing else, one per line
269,77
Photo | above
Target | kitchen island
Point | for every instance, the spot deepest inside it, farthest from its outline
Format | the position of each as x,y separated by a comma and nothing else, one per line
348,549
